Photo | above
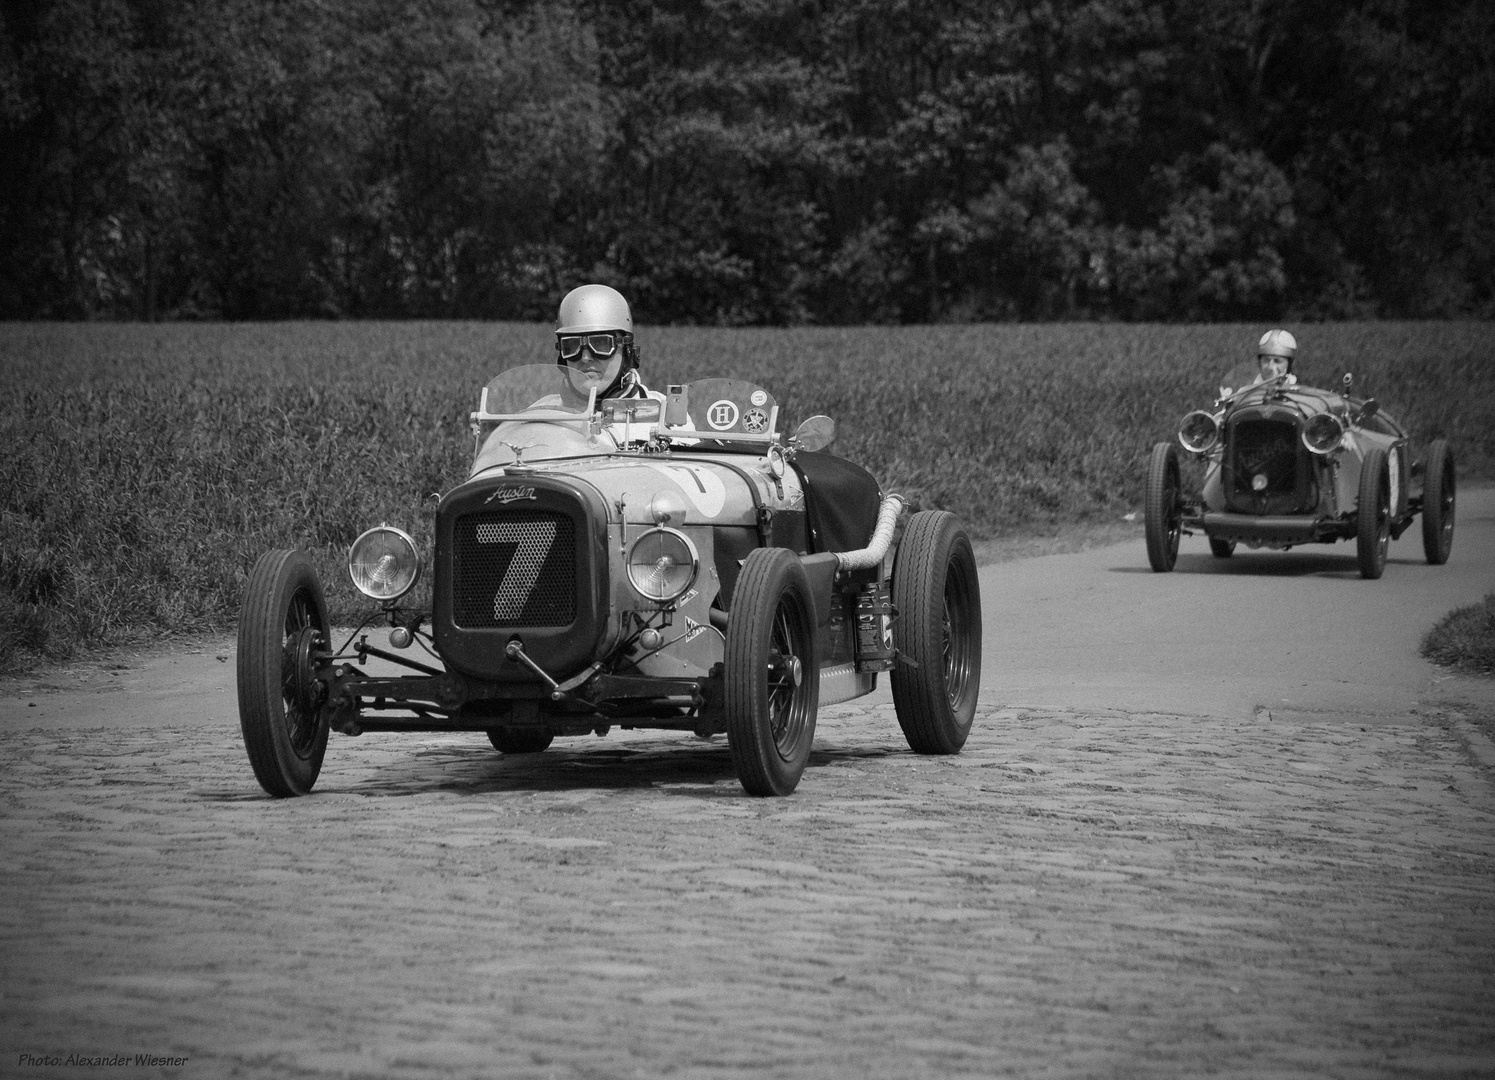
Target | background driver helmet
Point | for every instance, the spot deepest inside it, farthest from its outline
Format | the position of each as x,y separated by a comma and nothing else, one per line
594,319
1278,343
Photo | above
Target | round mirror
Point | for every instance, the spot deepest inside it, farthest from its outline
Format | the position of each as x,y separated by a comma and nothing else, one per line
816,433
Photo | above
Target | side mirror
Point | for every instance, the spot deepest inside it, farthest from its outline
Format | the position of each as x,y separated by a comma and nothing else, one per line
816,433
1369,409
1348,380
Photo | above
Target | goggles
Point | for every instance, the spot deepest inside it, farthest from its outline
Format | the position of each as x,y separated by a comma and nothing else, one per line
570,345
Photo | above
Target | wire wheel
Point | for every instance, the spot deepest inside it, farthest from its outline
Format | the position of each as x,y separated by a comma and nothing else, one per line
282,627
1163,508
772,684
1373,514
938,601
1221,549
1438,496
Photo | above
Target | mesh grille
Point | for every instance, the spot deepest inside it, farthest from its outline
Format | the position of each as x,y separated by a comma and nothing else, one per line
514,569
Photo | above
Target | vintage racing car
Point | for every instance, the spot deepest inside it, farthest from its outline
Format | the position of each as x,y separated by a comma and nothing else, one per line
634,562
1286,464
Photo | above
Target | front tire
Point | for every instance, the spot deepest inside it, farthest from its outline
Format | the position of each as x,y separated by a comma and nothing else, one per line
1438,491
1164,515
1373,514
282,625
522,741
938,600
772,683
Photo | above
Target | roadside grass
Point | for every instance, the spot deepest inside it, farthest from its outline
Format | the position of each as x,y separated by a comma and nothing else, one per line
1465,639
146,467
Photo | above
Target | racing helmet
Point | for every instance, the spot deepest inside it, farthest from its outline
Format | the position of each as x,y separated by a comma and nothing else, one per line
1278,343
596,317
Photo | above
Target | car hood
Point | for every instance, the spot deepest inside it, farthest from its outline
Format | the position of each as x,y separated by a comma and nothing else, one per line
715,489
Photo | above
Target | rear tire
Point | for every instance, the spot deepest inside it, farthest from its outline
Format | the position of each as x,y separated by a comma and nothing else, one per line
1373,514
1221,549
1438,497
772,683
282,624
938,600
524,741
1162,510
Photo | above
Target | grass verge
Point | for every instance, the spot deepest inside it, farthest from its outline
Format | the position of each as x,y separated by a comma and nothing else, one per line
148,466
1465,639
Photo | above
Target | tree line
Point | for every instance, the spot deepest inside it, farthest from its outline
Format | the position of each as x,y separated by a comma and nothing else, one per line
748,161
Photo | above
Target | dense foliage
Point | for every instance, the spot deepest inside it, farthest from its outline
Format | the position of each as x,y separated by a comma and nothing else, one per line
749,161
148,466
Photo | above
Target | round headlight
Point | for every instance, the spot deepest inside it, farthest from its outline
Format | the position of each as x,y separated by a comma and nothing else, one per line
383,563
1322,433
662,564
1198,432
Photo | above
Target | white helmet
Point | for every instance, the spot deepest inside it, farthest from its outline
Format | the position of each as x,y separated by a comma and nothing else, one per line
588,309
1278,343
597,317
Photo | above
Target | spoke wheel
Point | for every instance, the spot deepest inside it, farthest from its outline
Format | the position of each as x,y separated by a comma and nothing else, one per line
1373,514
772,683
1162,507
938,626
282,625
1438,491
1221,549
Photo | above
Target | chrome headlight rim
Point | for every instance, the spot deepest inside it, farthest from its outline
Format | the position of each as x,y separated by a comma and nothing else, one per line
1199,444
632,568
1323,447
363,563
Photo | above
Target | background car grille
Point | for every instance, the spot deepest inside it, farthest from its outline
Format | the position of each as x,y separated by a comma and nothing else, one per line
1268,448
513,568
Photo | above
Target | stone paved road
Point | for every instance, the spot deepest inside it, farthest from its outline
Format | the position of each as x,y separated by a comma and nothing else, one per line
1079,894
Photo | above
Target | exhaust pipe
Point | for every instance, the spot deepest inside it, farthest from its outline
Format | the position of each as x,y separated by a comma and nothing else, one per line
882,536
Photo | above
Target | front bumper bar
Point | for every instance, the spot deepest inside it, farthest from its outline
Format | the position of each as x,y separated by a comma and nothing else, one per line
444,701
1284,529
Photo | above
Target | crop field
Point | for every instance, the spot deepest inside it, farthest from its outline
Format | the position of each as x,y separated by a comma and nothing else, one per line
147,466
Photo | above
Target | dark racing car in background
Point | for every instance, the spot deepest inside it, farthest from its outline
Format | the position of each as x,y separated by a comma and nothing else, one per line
1286,464
634,563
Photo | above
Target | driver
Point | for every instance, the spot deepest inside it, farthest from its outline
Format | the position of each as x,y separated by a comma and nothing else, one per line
1274,356
594,344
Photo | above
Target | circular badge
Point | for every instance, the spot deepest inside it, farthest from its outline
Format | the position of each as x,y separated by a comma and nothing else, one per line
755,421
722,414
760,397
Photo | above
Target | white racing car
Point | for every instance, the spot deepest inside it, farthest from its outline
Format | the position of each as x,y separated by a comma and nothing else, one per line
636,563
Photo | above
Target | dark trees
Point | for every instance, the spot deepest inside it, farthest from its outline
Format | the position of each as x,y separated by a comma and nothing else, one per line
749,161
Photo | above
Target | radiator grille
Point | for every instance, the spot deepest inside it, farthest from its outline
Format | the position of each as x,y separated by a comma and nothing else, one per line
1266,449
1270,449
514,569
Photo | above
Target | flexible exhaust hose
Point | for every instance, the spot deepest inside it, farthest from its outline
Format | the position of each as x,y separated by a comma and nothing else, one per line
882,536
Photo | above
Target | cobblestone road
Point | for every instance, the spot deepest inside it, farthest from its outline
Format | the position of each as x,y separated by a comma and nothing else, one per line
1077,894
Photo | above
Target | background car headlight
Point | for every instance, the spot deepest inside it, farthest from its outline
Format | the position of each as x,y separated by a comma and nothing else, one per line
662,564
1198,432
383,563
1323,433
